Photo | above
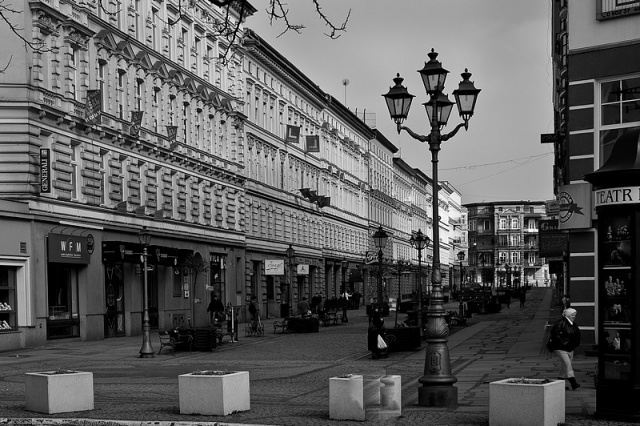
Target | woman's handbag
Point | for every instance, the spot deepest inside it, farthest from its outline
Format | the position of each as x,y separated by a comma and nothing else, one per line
551,346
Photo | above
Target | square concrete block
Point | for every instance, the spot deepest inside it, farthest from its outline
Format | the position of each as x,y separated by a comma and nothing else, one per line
533,403
51,392
391,395
214,395
346,398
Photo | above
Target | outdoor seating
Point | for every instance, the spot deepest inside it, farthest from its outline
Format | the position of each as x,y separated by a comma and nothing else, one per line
284,325
166,340
330,318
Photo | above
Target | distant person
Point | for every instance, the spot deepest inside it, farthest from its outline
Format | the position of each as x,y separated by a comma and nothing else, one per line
565,337
523,297
254,310
303,307
215,309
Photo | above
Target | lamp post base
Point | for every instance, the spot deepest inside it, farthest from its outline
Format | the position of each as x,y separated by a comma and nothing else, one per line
438,396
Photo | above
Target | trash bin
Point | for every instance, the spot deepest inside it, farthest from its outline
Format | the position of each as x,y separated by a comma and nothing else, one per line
284,310
205,339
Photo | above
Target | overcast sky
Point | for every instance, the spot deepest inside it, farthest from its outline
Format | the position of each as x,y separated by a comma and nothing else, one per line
506,46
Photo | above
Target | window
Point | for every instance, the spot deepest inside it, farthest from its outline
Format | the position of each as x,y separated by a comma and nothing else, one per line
139,94
503,223
487,225
619,112
121,93
102,84
217,267
75,163
139,25
515,223
74,64
155,29
8,302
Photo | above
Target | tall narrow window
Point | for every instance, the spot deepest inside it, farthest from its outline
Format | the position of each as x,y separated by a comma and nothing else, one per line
139,24
74,63
121,93
102,84
156,35
75,155
139,82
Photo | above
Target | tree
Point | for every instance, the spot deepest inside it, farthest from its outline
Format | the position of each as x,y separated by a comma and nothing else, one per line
277,10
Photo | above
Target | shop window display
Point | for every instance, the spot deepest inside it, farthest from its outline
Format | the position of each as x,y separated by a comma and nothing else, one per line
7,299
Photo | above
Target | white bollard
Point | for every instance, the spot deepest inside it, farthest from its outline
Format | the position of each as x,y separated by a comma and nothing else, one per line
346,398
391,395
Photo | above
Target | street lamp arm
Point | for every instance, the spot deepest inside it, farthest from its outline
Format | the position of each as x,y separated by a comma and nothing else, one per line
454,131
413,134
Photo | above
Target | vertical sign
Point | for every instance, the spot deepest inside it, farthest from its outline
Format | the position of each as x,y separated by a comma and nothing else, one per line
93,106
313,143
293,134
45,164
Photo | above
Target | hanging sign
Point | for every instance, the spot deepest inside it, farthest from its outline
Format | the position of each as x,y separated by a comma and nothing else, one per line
67,249
274,266
45,170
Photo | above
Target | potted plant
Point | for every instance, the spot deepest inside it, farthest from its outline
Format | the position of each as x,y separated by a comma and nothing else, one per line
59,391
215,393
526,402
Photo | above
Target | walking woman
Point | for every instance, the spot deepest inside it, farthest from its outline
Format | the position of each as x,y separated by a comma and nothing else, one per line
565,335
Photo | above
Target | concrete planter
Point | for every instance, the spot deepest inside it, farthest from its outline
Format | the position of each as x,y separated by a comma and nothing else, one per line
346,398
214,393
54,392
526,402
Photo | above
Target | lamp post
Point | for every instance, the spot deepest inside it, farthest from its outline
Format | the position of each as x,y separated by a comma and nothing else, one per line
461,258
419,241
290,253
344,264
437,388
380,240
146,351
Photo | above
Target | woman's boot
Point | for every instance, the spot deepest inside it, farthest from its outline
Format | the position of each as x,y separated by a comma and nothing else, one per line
574,385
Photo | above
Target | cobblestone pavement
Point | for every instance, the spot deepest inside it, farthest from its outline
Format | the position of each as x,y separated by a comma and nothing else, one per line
290,373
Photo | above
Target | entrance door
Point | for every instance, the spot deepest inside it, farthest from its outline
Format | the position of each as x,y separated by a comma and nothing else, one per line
114,294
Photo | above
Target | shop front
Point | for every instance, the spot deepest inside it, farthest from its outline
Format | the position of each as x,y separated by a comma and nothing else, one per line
67,257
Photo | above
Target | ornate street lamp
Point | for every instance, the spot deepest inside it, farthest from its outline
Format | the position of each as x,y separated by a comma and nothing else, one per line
437,384
146,351
290,253
419,241
380,240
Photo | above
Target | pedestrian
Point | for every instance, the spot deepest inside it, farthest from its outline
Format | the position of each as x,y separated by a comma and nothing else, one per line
304,309
254,310
565,337
215,309
375,339
523,297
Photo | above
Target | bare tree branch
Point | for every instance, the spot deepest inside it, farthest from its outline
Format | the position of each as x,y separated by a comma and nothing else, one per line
334,30
5,12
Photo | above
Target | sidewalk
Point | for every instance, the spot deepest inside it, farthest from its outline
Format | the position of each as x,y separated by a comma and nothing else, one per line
290,372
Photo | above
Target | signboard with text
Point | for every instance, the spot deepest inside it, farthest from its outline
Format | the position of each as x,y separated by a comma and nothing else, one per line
274,267
67,249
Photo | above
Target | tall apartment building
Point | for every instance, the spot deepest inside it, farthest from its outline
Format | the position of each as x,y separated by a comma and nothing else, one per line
503,244
77,190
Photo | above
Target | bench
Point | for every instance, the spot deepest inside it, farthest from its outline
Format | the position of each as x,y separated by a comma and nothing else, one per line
284,325
330,317
454,318
181,339
166,340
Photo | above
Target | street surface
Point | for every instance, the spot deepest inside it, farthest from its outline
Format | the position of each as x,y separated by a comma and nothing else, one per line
289,373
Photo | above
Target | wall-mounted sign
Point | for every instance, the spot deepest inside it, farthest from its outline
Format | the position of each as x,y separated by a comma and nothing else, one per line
274,267
303,270
575,206
45,170
616,196
608,9
552,241
67,249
